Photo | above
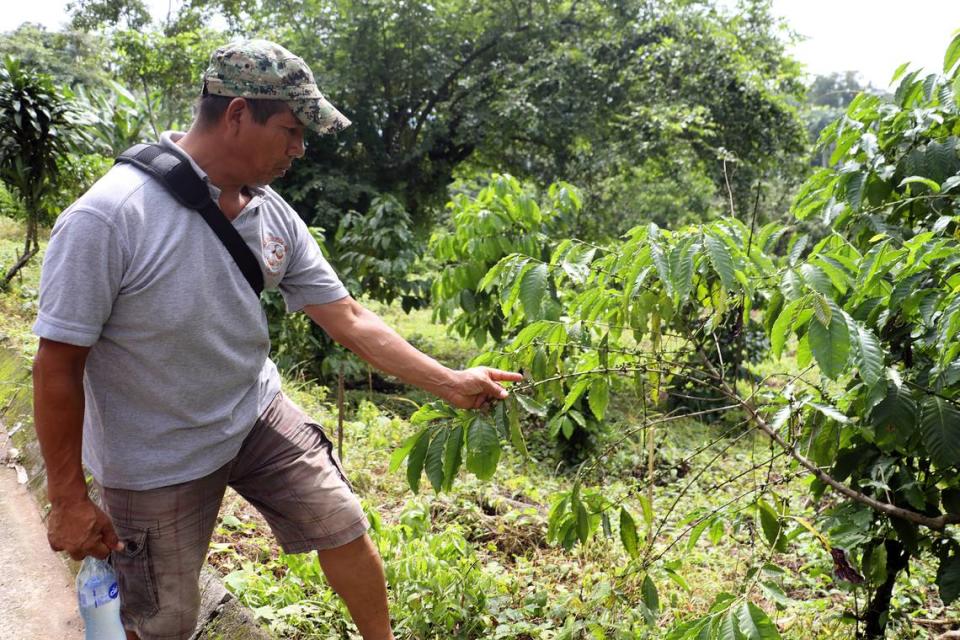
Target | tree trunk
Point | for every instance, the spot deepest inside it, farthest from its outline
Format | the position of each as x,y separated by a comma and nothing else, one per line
876,614
30,248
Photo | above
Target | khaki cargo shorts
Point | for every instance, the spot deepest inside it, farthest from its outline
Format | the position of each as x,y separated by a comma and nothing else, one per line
286,468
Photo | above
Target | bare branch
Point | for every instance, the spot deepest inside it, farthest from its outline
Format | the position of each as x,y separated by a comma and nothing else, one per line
936,523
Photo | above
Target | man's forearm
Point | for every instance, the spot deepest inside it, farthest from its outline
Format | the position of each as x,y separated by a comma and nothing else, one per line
366,335
58,417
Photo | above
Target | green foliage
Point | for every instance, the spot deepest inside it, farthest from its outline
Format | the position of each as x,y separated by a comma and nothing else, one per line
875,306
501,219
72,58
632,97
89,15
38,129
377,254
165,67
118,118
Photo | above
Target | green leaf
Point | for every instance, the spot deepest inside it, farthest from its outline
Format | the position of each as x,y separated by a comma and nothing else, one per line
599,397
830,345
433,462
696,532
722,261
952,55
717,531
855,185
821,309
728,627
583,523
679,580
772,528
691,630
628,533
783,325
430,412
824,444
576,263
803,351
509,295
681,268
577,390
533,288
754,623
894,419
869,353
452,456
899,72
927,182
646,509
875,565
940,427
516,434
649,595
483,449
493,273
661,262
830,412
415,462
531,405
948,579
398,456
775,594
816,278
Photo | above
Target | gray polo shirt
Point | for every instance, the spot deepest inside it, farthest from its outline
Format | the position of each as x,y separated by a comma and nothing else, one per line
178,369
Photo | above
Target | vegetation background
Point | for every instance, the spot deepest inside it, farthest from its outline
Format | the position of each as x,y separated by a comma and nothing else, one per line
736,296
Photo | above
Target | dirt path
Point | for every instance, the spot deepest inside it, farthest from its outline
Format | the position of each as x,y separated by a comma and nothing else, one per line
37,600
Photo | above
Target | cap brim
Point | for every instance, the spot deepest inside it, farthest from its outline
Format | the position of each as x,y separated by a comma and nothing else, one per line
319,115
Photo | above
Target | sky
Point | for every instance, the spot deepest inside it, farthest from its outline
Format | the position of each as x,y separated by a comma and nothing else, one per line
870,36
873,37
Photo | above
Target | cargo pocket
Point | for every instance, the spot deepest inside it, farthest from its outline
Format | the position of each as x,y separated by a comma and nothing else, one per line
330,454
138,586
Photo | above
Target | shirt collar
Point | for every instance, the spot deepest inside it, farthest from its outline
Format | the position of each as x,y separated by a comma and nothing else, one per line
168,140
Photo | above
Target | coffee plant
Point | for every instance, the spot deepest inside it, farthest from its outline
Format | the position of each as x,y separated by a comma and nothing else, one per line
870,411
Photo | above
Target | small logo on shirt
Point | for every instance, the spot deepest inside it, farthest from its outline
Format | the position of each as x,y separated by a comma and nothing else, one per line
274,252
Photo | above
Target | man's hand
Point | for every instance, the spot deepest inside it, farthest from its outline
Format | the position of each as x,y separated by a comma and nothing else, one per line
81,529
361,331
475,388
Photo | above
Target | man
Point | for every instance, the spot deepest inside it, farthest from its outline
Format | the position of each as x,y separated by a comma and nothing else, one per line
153,360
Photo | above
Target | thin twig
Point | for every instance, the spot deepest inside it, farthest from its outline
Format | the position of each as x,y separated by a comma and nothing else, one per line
936,523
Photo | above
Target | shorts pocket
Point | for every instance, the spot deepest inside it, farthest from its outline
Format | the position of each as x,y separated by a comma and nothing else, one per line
138,585
328,445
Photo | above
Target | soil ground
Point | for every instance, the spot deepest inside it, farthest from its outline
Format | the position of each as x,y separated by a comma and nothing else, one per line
37,599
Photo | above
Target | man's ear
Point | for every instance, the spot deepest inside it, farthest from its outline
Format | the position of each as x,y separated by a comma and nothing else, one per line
236,112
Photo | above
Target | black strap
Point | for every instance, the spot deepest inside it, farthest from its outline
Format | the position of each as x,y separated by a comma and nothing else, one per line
176,174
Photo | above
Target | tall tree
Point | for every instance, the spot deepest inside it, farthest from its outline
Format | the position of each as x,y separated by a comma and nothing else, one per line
36,132
545,90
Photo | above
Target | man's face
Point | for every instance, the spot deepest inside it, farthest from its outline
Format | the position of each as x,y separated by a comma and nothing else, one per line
270,148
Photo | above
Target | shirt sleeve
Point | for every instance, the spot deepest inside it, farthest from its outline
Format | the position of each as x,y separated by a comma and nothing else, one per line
81,275
309,278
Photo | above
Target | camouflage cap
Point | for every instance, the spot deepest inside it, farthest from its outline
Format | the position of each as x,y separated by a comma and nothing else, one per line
262,69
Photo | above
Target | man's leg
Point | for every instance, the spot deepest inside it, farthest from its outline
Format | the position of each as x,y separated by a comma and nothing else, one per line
288,471
355,572
166,532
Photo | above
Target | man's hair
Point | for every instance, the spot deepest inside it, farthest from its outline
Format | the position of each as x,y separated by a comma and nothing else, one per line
210,108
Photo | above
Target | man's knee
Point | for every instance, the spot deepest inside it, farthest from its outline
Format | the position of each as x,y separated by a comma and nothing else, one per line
175,619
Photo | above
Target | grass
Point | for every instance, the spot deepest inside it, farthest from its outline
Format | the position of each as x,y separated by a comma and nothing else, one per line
475,562
18,305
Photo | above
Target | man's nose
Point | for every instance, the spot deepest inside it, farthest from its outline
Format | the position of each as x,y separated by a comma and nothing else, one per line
298,146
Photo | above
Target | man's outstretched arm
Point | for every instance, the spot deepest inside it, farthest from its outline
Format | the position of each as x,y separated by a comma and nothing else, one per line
75,524
363,332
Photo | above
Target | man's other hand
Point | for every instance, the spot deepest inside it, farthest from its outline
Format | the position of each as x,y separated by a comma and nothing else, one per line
476,387
81,529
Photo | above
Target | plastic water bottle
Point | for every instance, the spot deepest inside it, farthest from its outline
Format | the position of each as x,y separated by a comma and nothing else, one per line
99,597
